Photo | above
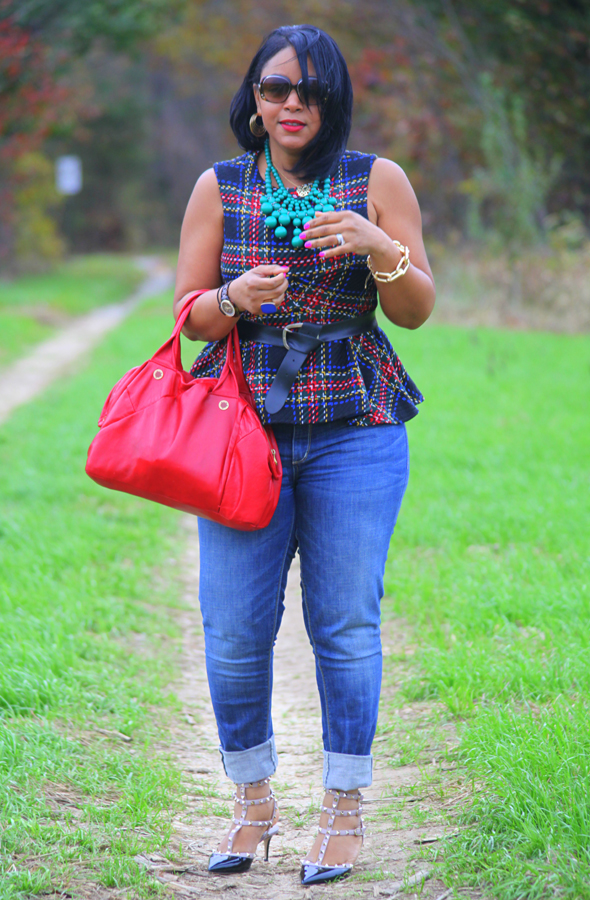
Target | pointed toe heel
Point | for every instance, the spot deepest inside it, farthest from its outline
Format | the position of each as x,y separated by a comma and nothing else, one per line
228,863
231,863
318,873
312,874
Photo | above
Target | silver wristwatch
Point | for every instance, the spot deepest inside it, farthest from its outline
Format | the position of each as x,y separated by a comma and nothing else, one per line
225,304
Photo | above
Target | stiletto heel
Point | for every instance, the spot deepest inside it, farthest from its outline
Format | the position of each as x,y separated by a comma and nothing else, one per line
232,863
316,872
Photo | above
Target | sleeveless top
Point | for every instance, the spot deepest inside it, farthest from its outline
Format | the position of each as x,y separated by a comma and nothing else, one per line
359,379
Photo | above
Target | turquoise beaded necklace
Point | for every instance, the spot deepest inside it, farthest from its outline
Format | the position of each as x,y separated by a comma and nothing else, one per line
282,208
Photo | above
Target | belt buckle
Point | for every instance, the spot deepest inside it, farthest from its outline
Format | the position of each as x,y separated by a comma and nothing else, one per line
288,328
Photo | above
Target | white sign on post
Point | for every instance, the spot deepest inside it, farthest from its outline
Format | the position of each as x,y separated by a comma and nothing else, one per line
68,174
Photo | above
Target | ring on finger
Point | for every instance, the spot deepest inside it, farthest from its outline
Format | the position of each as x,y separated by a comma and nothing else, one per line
340,239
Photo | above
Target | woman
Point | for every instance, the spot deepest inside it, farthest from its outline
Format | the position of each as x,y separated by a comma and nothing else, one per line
283,236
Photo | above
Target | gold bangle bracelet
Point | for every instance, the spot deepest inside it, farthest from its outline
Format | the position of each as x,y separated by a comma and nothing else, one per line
401,268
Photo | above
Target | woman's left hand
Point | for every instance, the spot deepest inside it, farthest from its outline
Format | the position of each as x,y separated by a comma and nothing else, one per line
360,236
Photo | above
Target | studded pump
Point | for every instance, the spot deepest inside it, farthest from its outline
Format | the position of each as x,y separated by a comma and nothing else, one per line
230,863
316,872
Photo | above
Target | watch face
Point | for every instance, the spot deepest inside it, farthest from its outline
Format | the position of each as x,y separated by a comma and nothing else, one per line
227,308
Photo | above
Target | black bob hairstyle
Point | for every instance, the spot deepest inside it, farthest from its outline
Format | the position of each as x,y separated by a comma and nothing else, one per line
322,155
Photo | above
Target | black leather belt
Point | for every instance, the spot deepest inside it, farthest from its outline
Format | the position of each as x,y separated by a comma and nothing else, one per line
299,339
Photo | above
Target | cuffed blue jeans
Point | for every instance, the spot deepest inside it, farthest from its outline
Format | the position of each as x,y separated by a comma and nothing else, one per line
341,494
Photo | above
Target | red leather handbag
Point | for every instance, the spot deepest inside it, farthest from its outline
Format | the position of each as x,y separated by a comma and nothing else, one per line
196,444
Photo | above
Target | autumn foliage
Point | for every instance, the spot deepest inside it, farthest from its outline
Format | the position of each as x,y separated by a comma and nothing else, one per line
485,104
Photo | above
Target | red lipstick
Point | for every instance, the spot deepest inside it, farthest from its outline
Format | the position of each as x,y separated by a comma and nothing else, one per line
292,125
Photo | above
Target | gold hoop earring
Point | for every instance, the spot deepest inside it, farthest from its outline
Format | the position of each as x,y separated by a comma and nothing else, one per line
257,128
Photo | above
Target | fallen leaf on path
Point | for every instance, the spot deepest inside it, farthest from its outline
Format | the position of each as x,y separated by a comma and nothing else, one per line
115,734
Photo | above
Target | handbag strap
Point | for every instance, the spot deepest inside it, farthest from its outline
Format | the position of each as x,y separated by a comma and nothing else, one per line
233,364
170,351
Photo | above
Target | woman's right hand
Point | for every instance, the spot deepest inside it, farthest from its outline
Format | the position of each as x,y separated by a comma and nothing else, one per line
263,284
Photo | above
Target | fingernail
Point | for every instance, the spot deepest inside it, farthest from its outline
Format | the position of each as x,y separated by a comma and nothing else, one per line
307,244
285,268
321,253
306,224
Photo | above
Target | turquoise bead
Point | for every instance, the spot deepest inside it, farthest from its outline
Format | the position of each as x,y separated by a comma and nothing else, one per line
286,206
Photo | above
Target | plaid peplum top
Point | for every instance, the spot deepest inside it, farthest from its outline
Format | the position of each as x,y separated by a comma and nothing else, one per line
359,379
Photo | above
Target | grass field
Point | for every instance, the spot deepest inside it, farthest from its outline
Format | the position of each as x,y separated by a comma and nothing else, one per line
31,307
490,565
85,642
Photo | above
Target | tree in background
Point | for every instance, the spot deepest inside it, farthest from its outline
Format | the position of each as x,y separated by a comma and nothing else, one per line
485,104
30,99
41,42
525,65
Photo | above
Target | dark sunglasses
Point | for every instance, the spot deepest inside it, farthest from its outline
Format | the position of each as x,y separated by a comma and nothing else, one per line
276,89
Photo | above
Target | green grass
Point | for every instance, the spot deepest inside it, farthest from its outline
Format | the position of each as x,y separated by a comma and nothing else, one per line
490,566
33,305
86,642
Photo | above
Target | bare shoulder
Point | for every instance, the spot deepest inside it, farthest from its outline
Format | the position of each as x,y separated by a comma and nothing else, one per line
388,176
201,237
389,185
205,198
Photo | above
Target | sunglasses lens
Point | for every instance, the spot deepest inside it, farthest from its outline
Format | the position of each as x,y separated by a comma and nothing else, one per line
275,88
314,90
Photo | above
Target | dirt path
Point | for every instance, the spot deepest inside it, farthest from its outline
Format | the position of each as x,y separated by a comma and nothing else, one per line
406,806
58,356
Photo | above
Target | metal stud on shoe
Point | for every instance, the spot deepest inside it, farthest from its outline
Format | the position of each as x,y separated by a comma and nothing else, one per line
232,863
316,872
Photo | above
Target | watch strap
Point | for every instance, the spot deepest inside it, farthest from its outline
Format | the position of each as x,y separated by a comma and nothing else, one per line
223,300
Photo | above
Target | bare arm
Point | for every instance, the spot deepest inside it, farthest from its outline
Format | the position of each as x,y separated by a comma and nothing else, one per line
409,300
201,243
394,214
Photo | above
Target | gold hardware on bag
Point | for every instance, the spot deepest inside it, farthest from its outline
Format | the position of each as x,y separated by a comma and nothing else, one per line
158,374
274,455
223,404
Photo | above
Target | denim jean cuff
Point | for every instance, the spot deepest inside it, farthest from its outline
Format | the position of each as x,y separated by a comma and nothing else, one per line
345,772
254,764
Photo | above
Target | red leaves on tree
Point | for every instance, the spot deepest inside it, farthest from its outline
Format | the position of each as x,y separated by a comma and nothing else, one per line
30,97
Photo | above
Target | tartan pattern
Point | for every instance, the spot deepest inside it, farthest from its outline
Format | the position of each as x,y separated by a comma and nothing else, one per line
361,378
